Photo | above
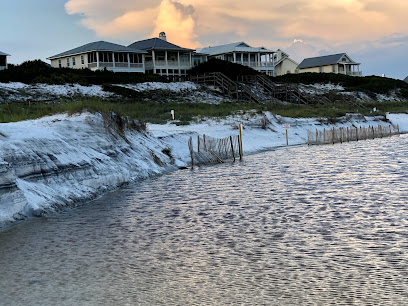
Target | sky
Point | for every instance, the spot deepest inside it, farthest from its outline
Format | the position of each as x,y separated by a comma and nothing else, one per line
371,32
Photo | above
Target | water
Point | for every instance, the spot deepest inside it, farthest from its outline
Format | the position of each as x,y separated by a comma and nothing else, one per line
300,226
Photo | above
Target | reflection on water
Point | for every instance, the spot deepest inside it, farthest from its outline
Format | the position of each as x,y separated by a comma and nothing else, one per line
300,226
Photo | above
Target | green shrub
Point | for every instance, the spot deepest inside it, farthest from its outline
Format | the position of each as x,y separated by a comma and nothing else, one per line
231,70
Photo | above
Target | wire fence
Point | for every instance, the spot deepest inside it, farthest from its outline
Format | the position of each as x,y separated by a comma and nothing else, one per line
352,133
210,150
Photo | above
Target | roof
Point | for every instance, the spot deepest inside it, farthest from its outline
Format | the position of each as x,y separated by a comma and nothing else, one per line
156,44
325,60
234,47
2,53
97,46
406,79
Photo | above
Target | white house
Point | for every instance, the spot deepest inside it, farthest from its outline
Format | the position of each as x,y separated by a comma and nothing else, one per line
100,55
3,60
165,58
336,63
284,64
260,59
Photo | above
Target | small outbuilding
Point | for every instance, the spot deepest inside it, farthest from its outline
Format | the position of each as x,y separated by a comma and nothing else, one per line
3,60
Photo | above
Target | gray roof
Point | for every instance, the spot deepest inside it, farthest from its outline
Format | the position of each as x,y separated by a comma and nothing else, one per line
156,44
406,79
97,46
325,60
2,53
234,47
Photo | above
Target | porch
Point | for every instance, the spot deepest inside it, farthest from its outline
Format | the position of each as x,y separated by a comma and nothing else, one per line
116,61
261,61
349,69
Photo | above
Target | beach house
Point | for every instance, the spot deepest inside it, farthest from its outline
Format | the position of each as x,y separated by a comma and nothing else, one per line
284,64
335,63
3,60
259,58
165,58
101,55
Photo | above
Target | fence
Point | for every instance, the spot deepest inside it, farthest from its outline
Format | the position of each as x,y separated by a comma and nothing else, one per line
214,150
348,134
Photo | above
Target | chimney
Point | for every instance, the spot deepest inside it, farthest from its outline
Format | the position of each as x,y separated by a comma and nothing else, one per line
162,36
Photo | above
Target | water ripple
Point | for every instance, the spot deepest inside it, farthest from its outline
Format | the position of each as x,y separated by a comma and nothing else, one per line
321,225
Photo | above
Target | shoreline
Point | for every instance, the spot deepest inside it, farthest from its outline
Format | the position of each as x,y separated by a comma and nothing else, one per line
61,161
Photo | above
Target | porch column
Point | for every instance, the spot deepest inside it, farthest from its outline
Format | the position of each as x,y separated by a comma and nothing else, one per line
113,59
165,58
128,56
178,59
154,61
191,64
97,60
242,58
235,57
259,60
143,62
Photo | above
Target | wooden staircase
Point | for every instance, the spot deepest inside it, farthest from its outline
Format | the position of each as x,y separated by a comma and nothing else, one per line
243,88
288,93
236,90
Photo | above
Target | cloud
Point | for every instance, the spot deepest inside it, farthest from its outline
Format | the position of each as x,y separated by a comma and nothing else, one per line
324,26
136,20
336,20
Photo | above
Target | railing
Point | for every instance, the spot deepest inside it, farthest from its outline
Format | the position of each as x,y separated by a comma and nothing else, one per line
355,73
281,92
255,64
105,64
172,63
233,89
115,65
121,65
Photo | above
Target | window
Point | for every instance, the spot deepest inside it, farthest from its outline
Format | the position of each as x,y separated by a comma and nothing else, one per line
68,62
82,60
320,69
334,68
59,63
73,61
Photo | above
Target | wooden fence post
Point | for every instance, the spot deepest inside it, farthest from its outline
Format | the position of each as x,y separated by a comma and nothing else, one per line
205,148
232,148
287,139
348,137
356,134
241,153
198,143
398,131
308,140
317,135
190,146
333,135
324,135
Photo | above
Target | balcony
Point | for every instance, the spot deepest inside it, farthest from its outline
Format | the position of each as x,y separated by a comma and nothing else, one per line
107,65
355,73
161,63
